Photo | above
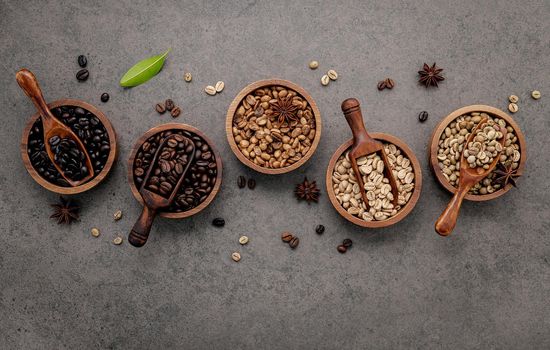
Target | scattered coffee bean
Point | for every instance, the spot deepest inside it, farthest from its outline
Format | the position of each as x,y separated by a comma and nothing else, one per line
390,83
241,181
82,61
169,104
82,75
320,229
342,249
187,77
423,116
287,237
218,222
535,94
243,240
104,97
176,111
251,184
332,74
513,99
381,85
219,86
117,240
95,232
347,243
512,107
236,256
117,215
210,90
325,80
159,107
313,64
294,242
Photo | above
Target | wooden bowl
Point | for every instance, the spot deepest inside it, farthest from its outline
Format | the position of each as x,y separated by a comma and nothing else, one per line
432,150
237,101
405,210
172,126
93,182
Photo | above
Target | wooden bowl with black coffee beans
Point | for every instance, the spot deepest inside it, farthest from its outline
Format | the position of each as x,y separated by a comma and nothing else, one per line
273,126
90,125
201,182
447,144
344,191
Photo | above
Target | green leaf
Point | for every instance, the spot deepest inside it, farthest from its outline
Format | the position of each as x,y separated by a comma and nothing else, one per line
143,70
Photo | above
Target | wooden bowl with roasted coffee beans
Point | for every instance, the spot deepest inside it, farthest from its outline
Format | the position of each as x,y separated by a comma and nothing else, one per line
344,191
447,144
90,125
273,126
202,180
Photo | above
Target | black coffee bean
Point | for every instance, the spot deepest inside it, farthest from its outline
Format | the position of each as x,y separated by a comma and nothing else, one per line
54,140
320,229
342,249
82,61
241,182
82,75
251,184
159,107
219,222
423,116
169,104
347,243
104,97
294,242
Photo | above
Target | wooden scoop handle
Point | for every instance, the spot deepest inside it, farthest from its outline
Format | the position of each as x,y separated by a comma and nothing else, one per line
354,117
447,221
27,81
140,232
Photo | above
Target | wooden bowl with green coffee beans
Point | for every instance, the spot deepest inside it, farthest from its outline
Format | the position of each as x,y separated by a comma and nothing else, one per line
447,144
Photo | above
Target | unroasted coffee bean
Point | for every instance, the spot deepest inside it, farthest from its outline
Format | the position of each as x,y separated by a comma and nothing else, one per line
82,61
175,112
218,222
342,249
169,104
423,116
320,229
294,242
241,182
347,243
251,184
287,237
82,75
104,97
159,107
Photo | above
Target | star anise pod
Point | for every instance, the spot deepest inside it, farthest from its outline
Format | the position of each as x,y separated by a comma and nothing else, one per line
284,110
65,212
505,174
430,76
307,191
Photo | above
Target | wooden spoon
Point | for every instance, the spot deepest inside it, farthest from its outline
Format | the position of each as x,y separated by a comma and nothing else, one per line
51,126
468,178
152,201
364,145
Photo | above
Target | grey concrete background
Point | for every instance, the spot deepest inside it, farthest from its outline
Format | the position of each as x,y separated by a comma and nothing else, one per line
485,287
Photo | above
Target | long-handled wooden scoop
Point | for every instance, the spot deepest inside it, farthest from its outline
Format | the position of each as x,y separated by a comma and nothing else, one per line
152,201
364,145
468,178
51,126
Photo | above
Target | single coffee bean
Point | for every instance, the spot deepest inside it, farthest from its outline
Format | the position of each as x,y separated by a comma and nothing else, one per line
512,107
241,182
513,99
236,257
347,243
218,222
251,184
175,112
390,83
342,249
188,77
535,94
169,104
287,237
82,61
117,215
82,75
243,240
320,229
159,107
325,80
381,85
104,97
294,242
313,65
423,116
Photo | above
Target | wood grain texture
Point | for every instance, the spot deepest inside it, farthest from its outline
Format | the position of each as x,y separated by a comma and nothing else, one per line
440,128
175,126
405,210
237,101
93,182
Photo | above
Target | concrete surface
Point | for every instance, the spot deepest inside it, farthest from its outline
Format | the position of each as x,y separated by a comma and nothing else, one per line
485,287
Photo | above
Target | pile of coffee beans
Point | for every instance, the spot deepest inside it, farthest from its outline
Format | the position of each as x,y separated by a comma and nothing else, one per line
172,161
69,157
89,130
200,179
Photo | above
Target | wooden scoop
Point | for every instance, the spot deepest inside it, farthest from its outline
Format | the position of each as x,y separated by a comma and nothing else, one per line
364,145
468,178
51,126
152,201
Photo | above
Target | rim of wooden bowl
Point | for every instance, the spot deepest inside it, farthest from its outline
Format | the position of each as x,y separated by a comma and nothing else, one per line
237,101
172,126
405,210
93,182
440,128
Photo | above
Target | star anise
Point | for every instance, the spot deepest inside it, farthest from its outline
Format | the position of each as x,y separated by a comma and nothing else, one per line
505,174
430,76
66,211
284,110
307,191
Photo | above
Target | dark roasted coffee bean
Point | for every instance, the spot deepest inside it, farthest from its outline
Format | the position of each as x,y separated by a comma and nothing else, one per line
104,97
423,116
294,242
169,104
219,222
342,249
241,182
82,75
320,229
381,85
287,237
159,107
172,142
347,243
251,184
179,168
165,187
82,61
390,83
175,112
54,140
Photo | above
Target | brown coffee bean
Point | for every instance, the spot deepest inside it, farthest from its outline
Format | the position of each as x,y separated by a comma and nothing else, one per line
175,112
179,168
251,184
165,187
347,243
165,166
294,242
172,142
139,171
241,182
381,85
159,107
342,249
390,83
169,104
287,237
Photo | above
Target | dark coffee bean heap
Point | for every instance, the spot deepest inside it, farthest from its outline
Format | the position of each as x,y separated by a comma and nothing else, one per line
89,130
174,155
69,157
200,178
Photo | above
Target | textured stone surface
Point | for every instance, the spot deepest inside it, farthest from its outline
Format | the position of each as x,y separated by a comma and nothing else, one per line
486,286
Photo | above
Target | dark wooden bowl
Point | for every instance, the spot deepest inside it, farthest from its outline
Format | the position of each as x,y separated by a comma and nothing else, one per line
405,210
440,128
93,182
237,101
172,126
